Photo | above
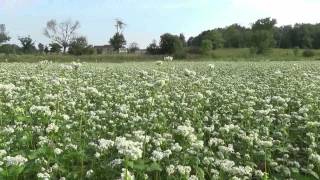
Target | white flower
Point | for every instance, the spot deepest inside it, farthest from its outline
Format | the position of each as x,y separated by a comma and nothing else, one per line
193,177
176,147
170,169
129,148
188,72
52,128
127,175
116,162
168,58
159,62
184,170
17,160
157,155
57,151
89,173
2,152
315,158
97,155
211,66
105,144
43,176
45,110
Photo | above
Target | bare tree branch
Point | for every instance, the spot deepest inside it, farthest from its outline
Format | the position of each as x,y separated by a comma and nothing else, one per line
61,33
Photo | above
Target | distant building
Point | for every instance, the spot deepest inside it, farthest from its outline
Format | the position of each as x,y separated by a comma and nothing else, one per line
141,51
105,49
123,51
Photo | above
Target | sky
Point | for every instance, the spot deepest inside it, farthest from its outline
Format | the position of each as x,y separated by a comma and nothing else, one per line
147,20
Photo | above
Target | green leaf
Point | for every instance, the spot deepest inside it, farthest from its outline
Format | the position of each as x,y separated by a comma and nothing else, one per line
129,164
200,173
140,165
154,167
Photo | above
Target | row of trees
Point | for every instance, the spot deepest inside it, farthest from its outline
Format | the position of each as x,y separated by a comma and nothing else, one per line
260,37
64,38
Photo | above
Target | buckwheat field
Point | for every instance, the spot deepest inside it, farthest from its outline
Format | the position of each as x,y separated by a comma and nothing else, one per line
164,120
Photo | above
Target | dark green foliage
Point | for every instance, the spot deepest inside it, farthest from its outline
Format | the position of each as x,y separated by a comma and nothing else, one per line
133,47
46,50
262,41
27,44
181,54
9,49
79,46
153,48
236,36
296,51
206,46
264,24
214,35
117,41
40,48
55,48
183,39
262,38
308,53
170,44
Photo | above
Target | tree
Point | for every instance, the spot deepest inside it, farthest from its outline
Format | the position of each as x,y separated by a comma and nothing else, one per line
40,48
262,41
120,25
283,36
170,44
183,39
4,37
206,46
214,35
263,35
27,44
236,36
79,46
55,48
303,35
153,48
61,33
189,42
46,50
264,24
117,41
133,47
9,49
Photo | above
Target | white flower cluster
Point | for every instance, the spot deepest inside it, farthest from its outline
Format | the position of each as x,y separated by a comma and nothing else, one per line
105,144
128,148
17,160
52,128
45,110
168,58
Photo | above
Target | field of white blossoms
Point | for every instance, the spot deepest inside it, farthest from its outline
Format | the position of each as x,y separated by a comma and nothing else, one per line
171,120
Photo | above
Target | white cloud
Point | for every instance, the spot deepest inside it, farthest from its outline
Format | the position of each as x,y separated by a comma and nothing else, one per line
285,11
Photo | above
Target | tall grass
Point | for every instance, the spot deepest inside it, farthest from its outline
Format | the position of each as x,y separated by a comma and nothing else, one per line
240,54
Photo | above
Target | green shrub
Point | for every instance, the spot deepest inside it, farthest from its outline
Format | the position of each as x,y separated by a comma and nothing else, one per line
308,53
180,55
296,51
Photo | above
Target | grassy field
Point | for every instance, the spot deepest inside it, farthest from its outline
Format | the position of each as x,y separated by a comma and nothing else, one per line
216,55
172,121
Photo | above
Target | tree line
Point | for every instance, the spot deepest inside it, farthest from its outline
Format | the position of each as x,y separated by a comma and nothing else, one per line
260,37
63,38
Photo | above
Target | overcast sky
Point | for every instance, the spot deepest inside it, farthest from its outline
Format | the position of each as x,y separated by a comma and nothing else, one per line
148,19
